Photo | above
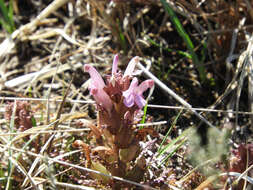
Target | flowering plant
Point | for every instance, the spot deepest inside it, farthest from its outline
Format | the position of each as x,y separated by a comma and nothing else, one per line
23,118
119,102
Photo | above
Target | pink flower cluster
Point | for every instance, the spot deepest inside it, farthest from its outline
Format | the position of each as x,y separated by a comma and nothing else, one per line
118,87
119,102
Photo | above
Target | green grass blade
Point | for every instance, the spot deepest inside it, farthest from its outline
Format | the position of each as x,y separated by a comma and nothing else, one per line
10,16
168,146
4,10
121,36
172,152
186,39
4,25
166,136
180,139
7,21
144,115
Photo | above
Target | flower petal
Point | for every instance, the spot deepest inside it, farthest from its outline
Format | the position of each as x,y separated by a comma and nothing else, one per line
144,86
96,88
130,67
129,100
132,87
115,64
102,98
133,84
129,94
139,100
96,78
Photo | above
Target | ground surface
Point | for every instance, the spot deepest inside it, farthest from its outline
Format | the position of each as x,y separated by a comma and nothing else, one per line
200,50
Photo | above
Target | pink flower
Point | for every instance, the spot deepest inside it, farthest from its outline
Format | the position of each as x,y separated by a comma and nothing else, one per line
96,88
134,94
117,85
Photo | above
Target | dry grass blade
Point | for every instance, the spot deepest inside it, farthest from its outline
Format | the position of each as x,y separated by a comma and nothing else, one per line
31,132
36,161
72,186
211,179
42,180
207,182
76,115
250,80
39,75
10,153
45,99
246,71
22,169
39,156
233,84
7,45
54,32
59,113
199,109
231,55
244,175
239,175
43,166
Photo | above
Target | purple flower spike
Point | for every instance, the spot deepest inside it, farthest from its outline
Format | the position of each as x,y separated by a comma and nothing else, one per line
96,88
134,93
131,65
